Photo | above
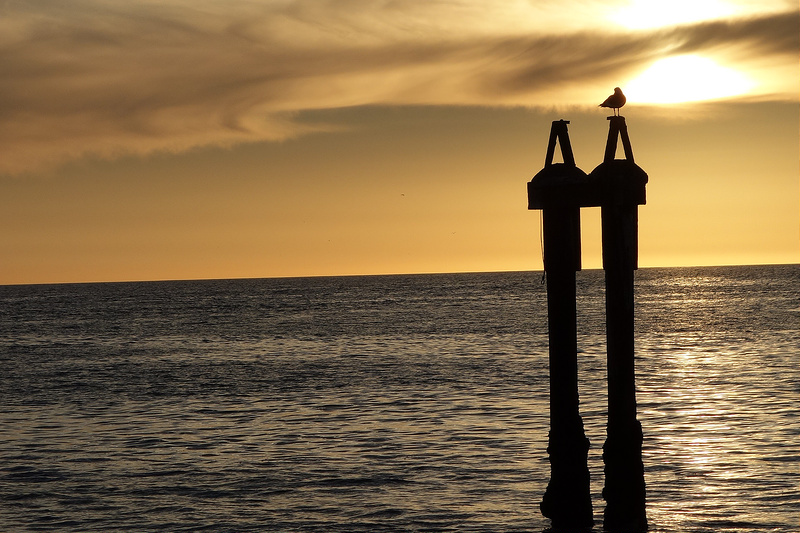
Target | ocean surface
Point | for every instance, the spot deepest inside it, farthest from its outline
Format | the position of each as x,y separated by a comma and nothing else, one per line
385,403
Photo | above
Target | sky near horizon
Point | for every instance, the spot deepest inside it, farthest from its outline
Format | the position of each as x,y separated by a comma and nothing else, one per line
147,140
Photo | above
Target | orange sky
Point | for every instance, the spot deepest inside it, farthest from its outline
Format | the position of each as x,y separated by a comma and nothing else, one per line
190,140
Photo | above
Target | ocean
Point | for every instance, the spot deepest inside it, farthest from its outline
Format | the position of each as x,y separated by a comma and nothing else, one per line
404,403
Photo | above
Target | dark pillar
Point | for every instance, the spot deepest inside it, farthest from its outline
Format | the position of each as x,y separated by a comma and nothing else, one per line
624,490
567,500
623,183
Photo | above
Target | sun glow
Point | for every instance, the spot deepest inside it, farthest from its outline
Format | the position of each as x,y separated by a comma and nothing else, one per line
686,78
643,14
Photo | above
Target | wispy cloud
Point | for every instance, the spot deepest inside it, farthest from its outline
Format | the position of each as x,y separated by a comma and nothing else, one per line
107,78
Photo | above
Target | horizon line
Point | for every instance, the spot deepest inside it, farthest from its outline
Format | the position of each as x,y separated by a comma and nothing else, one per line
379,274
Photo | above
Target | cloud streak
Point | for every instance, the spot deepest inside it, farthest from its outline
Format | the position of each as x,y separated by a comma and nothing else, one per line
103,78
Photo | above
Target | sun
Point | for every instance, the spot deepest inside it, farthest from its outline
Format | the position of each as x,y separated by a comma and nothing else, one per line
687,78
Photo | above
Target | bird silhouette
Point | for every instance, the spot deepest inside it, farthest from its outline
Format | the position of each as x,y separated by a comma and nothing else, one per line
615,101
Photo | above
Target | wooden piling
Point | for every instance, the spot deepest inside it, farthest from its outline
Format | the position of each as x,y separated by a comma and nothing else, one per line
623,183
567,500
560,190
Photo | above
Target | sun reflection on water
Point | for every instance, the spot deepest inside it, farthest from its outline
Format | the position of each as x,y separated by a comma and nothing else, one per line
704,438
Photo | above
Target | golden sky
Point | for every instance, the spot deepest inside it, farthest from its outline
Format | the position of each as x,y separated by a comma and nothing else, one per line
205,139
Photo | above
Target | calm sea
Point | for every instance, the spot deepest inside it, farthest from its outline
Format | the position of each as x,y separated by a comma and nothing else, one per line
385,403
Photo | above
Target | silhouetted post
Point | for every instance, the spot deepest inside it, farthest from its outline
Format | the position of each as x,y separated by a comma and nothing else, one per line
623,189
567,500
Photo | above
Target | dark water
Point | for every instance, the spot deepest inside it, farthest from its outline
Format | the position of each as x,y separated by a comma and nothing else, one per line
392,403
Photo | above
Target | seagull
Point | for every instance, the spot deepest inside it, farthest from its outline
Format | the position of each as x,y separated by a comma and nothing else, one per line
615,101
